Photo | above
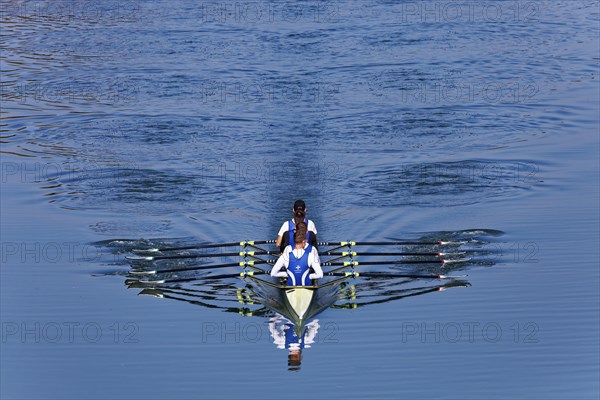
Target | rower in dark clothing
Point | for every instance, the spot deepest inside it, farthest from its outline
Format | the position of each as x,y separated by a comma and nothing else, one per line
286,233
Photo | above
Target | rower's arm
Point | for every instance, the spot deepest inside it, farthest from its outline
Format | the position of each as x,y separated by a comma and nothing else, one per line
277,270
313,239
282,230
315,265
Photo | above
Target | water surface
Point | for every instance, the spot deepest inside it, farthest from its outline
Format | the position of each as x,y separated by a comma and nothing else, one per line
177,122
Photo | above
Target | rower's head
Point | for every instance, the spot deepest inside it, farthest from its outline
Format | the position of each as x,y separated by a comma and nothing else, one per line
300,233
299,209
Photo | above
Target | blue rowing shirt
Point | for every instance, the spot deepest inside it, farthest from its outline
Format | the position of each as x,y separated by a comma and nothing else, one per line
298,271
292,227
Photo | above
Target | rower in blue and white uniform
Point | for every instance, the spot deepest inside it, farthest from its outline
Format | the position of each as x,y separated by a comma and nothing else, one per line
299,264
286,233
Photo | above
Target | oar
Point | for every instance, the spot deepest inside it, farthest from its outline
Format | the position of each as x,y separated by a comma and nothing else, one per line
197,278
392,275
411,293
333,260
383,243
390,262
140,284
184,256
167,270
367,253
204,246
326,252
348,264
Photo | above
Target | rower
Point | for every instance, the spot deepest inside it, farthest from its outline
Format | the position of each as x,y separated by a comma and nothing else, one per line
299,264
286,233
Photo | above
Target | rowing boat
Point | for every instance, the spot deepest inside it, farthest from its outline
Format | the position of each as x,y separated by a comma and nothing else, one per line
297,304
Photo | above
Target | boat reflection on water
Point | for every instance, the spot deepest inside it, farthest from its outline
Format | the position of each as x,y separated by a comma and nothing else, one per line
291,311
293,328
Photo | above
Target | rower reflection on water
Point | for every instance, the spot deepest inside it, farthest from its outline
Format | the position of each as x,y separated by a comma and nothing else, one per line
286,336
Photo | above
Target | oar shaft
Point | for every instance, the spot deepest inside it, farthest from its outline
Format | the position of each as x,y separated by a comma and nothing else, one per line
367,253
351,264
203,246
184,256
191,279
334,260
203,267
356,263
400,262
208,246
167,270
396,243
333,249
384,275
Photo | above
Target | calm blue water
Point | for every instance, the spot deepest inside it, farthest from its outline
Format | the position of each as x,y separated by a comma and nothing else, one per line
128,124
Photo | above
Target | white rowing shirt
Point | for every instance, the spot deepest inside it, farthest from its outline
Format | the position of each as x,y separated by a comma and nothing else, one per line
314,262
284,228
